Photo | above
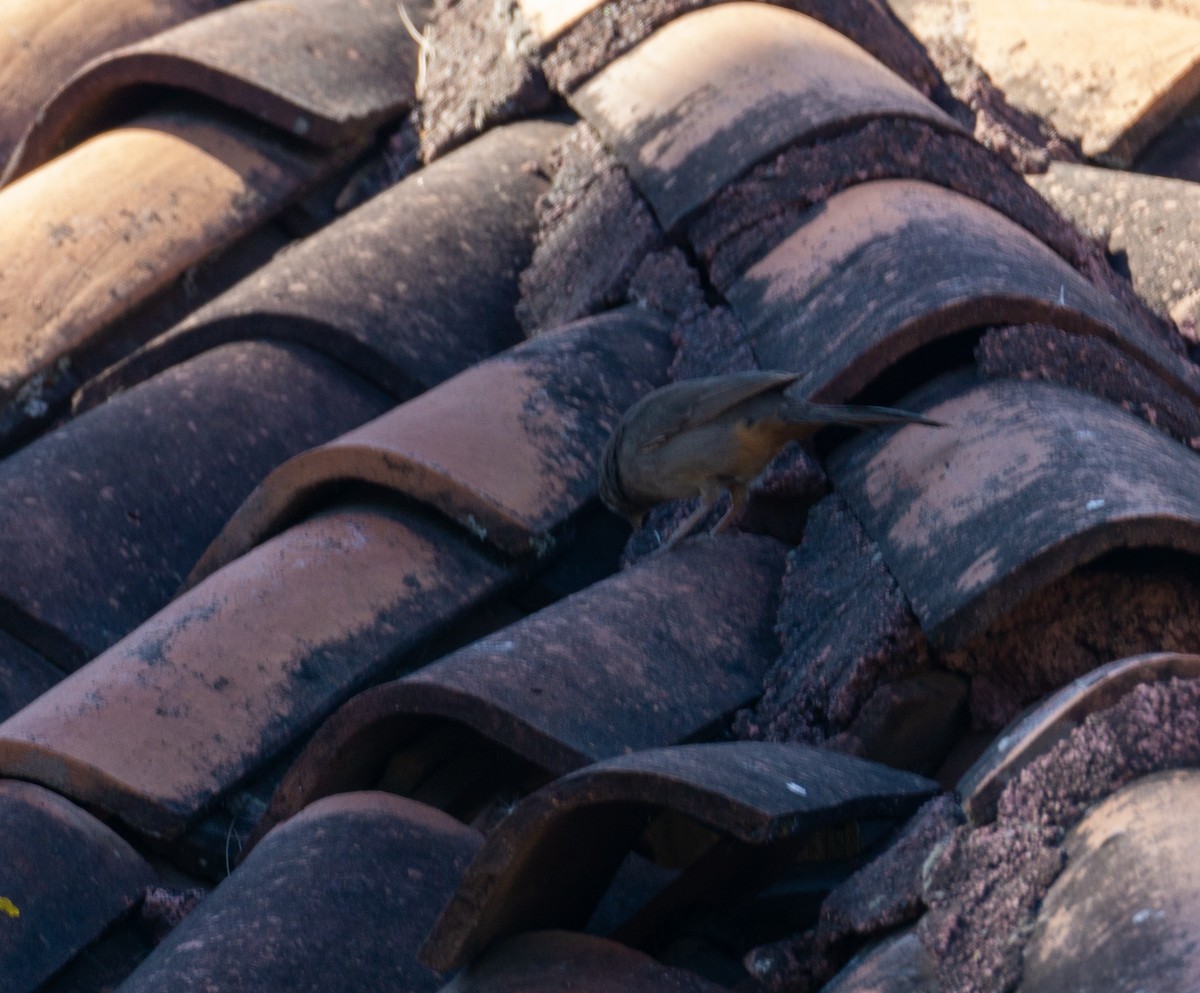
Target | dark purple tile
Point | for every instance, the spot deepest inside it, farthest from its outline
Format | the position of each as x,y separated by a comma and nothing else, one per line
509,449
337,899
529,876
64,879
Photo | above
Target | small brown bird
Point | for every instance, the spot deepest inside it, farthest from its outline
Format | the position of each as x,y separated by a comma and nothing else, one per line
701,436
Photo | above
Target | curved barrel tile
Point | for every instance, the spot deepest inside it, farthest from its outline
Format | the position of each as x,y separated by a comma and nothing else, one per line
579,37
936,263
1028,482
1152,223
899,964
1039,730
82,250
64,879
541,962
326,71
1108,75
45,42
338,898
549,19
381,289
101,519
1131,877
214,686
611,669
509,449
529,874
714,92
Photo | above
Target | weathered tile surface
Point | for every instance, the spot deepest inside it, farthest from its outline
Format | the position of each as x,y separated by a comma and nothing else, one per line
528,875
1029,481
325,71
937,263
1110,75
227,675
618,667
382,288
46,41
103,517
1039,730
1151,224
509,449
82,250
64,879
1140,844
338,899
718,90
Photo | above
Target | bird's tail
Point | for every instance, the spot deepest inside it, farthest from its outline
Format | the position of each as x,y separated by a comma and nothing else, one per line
857,415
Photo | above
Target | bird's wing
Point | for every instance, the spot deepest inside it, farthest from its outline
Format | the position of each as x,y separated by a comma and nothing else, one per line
700,401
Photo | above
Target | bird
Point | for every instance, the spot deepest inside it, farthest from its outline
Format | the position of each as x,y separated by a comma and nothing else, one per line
700,437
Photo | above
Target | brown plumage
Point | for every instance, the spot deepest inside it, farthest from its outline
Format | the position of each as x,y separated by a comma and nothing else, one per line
701,436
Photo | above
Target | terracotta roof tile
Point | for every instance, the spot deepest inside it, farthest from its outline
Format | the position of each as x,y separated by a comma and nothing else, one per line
47,41
339,898
995,891
197,698
380,289
91,251
326,71
1140,843
895,236
1037,731
527,875
64,879
1151,224
84,251
399,578
1109,75
614,668
718,90
896,965
100,530
1068,477
555,961
508,449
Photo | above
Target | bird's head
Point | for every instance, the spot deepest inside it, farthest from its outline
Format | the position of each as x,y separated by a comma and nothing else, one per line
611,487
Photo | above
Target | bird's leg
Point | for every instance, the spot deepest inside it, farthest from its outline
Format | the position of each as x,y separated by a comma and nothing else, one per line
738,498
688,524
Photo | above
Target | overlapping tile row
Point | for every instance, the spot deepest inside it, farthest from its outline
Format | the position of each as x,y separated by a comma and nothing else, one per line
613,668
943,260
759,800
242,111
342,894
83,571
46,43
350,559
347,593
66,878
487,66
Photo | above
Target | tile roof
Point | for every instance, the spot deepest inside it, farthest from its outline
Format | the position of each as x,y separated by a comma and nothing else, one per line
321,666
